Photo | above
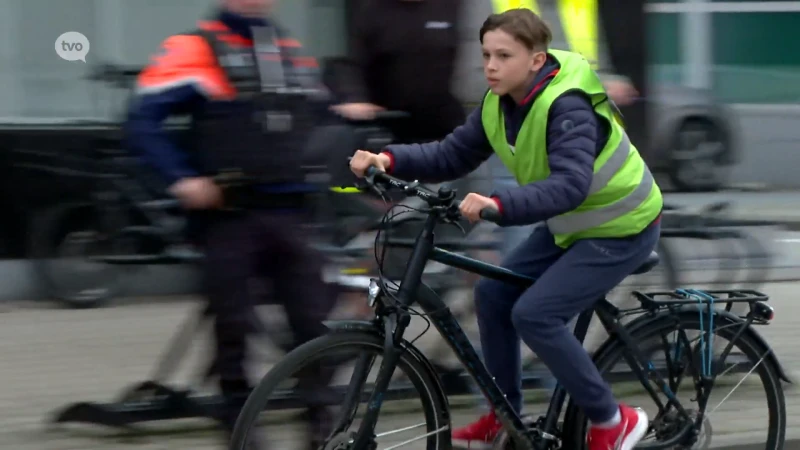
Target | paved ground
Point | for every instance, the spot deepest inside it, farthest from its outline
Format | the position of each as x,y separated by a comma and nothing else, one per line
51,357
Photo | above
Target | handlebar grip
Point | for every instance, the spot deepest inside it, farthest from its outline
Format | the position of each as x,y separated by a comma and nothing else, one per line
491,215
372,171
487,214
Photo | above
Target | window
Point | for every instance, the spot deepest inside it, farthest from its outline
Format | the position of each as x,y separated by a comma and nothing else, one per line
664,60
755,57
750,44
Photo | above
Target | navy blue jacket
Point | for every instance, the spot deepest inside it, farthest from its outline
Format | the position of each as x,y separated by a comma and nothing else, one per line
571,153
147,137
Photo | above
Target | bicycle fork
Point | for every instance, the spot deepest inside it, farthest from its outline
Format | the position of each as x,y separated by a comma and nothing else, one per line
394,327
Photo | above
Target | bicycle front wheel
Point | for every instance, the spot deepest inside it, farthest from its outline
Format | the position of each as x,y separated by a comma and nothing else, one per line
745,403
341,367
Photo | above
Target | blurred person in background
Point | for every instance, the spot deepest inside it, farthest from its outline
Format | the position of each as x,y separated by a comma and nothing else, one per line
222,75
402,57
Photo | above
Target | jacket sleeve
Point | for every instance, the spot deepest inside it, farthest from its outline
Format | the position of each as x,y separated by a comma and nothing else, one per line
458,154
572,141
179,78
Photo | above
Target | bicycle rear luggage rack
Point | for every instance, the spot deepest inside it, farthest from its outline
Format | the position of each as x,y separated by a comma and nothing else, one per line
756,300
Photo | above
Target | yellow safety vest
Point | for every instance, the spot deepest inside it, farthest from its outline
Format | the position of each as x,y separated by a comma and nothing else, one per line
623,197
578,20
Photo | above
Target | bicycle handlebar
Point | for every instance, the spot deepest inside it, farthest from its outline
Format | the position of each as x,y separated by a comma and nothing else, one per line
444,198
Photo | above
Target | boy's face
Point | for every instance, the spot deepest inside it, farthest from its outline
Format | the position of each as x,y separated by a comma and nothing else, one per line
507,64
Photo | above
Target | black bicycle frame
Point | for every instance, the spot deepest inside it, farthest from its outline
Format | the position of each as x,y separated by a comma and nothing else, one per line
444,321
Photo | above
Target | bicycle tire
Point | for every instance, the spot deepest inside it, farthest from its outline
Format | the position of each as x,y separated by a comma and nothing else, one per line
575,422
46,234
417,373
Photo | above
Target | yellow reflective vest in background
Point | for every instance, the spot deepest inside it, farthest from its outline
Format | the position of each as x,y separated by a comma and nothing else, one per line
577,23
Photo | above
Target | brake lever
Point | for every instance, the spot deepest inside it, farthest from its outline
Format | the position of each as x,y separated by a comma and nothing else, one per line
376,190
452,215
369,180
456,224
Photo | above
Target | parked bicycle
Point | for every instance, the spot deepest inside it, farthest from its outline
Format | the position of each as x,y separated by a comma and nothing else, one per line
125,212
670,317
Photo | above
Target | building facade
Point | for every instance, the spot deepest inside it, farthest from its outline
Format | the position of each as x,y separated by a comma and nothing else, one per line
737,48
742,50
36,84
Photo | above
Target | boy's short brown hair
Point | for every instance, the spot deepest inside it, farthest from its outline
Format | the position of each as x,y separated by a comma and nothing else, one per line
524,25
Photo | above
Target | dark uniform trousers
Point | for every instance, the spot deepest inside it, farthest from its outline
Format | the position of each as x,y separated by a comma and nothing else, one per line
243,246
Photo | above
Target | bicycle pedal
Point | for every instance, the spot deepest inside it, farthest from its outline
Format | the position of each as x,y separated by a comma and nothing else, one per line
533,424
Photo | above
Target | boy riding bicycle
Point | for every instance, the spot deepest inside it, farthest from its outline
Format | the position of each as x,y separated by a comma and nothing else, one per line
548,118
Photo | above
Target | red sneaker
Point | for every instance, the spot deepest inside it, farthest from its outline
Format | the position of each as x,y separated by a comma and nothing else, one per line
624,436
479,433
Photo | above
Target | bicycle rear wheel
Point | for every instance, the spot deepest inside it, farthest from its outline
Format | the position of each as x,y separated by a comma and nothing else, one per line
315,356
747,358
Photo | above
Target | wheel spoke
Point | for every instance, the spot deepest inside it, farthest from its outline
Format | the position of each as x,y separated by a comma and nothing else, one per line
755,366
404,443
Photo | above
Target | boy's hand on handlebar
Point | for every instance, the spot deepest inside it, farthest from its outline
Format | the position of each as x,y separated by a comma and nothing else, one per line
473,204
362,160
